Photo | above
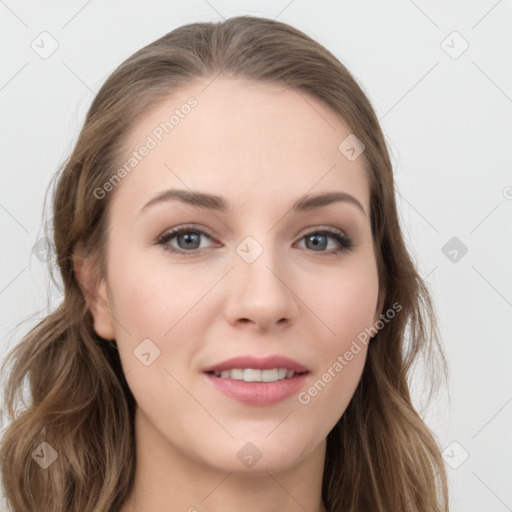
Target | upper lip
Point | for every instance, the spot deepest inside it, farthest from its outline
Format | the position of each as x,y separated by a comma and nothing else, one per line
266,363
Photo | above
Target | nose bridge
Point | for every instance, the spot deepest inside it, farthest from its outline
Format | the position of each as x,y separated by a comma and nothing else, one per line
258,264
260,290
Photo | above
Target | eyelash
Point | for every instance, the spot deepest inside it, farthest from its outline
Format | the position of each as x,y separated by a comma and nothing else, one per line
345,242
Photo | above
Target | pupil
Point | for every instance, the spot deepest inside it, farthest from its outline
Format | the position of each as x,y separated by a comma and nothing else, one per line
189,238
316,242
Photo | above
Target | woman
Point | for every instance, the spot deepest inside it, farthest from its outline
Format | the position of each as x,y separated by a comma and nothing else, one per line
240,312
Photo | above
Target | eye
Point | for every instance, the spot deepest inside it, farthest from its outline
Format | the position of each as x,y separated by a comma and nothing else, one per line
188,240
318,240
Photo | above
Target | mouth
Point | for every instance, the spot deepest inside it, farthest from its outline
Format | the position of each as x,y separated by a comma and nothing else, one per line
256,375
254,381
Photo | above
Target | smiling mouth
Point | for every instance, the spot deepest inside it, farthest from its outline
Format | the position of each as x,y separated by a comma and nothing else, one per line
256,375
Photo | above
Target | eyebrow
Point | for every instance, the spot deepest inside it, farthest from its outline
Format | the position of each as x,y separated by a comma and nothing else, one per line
210,201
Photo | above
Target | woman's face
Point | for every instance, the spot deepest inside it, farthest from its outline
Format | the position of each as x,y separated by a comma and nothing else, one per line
250,275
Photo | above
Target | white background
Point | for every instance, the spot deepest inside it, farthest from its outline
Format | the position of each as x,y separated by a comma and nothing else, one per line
448,125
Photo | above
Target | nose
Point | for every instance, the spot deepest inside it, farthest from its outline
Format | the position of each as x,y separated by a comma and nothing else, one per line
261,294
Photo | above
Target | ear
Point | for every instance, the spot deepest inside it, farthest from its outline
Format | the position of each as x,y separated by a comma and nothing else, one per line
95,292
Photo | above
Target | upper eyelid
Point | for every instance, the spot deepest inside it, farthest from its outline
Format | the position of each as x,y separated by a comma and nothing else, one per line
205,231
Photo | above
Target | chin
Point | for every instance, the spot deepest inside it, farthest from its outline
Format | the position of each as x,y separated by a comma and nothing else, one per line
257,455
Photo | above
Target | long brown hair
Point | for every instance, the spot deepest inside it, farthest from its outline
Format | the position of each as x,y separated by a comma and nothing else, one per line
380,456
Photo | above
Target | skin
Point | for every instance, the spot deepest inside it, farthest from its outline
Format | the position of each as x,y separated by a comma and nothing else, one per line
261,147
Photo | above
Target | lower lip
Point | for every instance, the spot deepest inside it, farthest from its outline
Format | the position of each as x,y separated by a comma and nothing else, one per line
258,393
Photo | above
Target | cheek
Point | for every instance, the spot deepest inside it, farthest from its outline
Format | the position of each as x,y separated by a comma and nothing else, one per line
349,307
151,299
155,303
346,303
346,308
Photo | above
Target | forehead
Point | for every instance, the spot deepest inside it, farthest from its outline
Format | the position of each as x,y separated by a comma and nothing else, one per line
250,141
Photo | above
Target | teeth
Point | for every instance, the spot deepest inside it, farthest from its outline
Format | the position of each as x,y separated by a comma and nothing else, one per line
269,375
253,375
236,374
